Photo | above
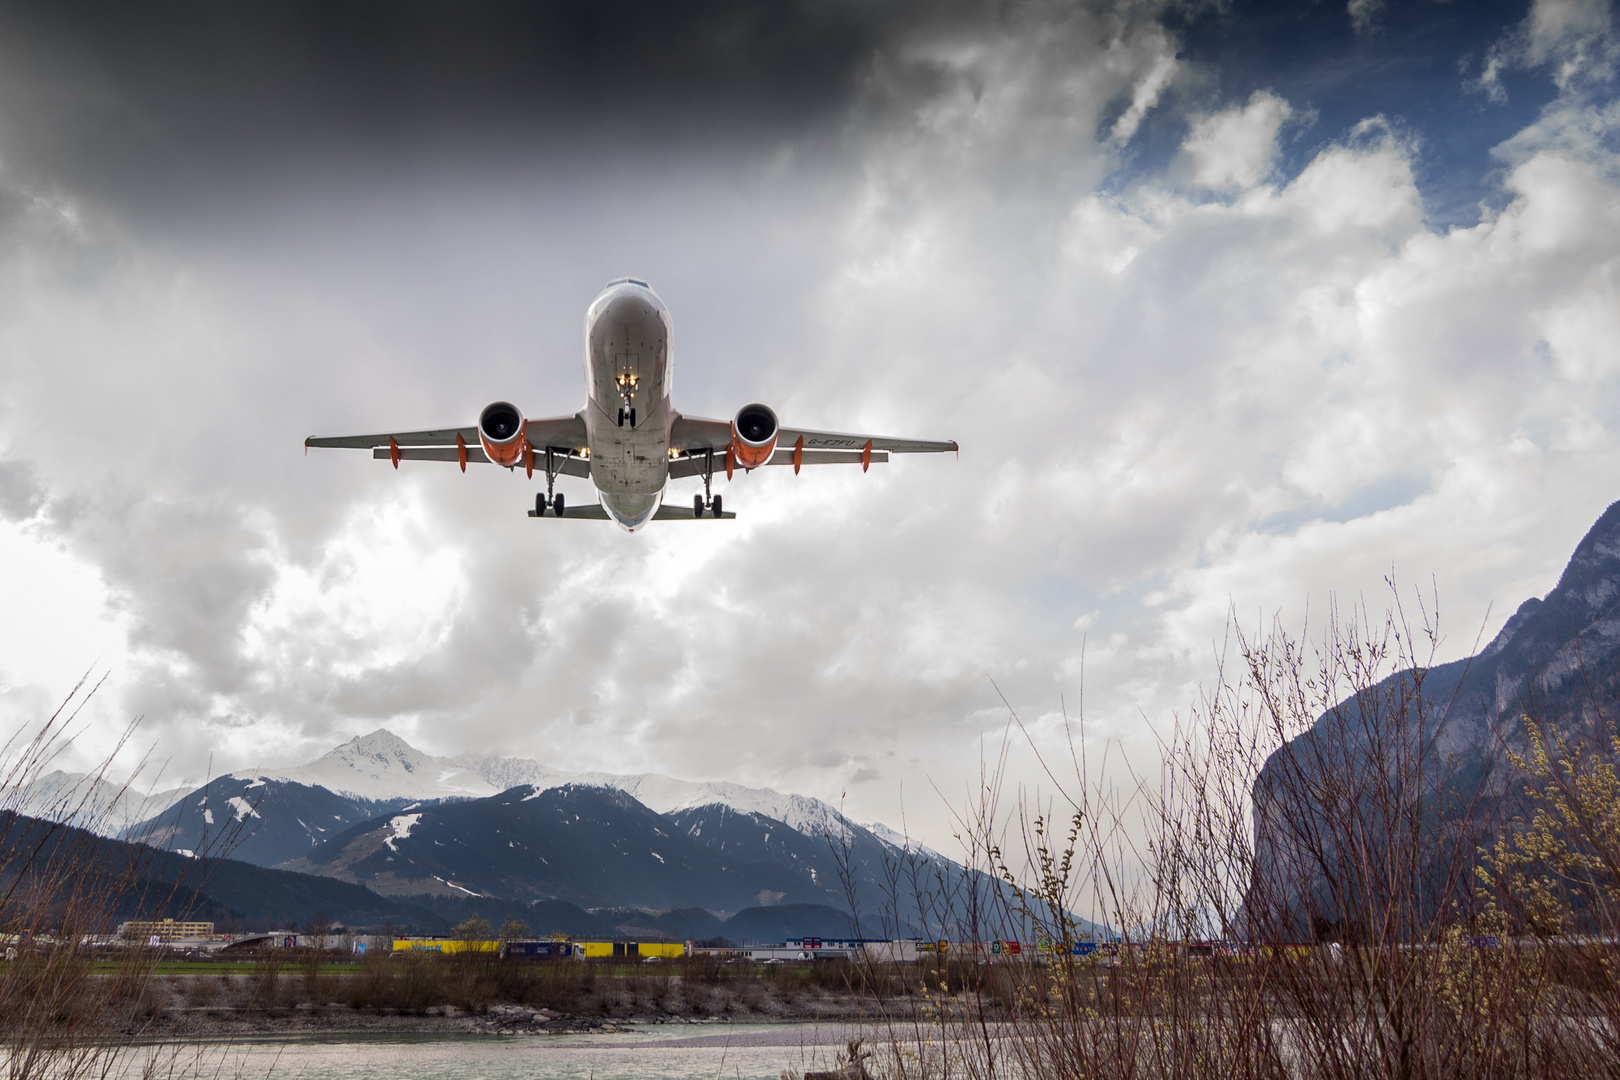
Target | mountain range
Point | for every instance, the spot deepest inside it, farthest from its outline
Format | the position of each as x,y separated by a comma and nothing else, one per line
505,835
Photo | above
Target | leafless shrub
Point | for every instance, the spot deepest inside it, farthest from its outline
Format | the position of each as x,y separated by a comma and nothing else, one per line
72,998
1307,888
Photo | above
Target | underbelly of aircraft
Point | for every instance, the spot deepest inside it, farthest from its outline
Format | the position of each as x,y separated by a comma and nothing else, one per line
638,467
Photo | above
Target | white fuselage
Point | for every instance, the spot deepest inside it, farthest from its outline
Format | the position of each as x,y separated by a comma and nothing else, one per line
628,367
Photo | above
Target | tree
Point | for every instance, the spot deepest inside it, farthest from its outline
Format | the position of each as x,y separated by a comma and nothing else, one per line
317,929
474,929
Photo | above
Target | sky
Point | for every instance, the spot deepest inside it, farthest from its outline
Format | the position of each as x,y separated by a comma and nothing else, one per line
1236,309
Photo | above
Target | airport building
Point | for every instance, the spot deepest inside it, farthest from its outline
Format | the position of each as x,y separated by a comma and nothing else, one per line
164,929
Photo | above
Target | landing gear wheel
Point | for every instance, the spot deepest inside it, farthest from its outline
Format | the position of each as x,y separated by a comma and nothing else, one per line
697,506
539,505
621,417
632,416
557,503
715,506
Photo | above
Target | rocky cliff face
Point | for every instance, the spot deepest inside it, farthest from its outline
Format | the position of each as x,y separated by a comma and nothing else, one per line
1426,752
1556,659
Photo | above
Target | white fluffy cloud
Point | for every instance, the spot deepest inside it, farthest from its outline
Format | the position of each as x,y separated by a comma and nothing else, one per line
1236,148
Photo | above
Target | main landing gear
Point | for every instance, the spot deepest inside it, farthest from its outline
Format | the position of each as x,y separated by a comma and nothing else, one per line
554,500
706,501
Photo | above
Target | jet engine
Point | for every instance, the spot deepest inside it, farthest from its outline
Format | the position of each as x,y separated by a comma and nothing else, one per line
753,436
500,429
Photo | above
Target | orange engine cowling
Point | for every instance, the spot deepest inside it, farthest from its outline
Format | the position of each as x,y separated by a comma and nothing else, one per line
500,429
753,436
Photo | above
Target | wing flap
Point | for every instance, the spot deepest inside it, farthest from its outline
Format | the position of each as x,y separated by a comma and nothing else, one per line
693,466
784,456
475,456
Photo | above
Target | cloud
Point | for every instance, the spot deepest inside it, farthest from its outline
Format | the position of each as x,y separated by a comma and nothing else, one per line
1575,38
1364,15
1236,148
1221,381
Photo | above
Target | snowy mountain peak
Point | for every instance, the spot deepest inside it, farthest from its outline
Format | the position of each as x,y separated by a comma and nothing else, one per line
381,765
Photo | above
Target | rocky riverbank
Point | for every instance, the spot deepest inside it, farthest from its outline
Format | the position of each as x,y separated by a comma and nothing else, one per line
236,1006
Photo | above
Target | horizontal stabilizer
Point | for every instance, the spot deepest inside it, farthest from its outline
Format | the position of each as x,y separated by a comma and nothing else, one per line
664,513
682,513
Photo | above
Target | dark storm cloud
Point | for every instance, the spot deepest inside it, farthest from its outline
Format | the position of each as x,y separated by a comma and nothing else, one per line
126,98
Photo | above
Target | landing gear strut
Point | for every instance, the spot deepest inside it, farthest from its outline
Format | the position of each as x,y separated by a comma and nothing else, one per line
550,498
707,500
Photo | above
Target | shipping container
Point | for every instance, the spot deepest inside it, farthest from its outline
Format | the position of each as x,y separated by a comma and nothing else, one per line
629,950
538,950
444,945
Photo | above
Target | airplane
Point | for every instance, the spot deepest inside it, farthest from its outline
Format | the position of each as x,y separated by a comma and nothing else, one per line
628,440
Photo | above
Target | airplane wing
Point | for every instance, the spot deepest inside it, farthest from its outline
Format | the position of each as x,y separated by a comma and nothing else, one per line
562,433
694,434
694,465
835,440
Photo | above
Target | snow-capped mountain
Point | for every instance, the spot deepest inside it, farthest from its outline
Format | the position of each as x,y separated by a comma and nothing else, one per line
89,801
666,794
586,844
260,821
382,766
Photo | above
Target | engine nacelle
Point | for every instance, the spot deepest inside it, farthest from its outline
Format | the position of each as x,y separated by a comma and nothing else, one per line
753,436
500,429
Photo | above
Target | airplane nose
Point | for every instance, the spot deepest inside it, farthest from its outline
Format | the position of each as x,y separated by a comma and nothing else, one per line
626,309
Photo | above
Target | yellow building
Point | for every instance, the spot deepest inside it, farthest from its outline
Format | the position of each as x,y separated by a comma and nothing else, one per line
164,930
629,950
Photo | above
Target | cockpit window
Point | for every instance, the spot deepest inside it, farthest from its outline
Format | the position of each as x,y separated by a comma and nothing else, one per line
626,281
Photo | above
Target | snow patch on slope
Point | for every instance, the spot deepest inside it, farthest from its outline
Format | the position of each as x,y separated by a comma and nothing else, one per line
400,829
243,808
